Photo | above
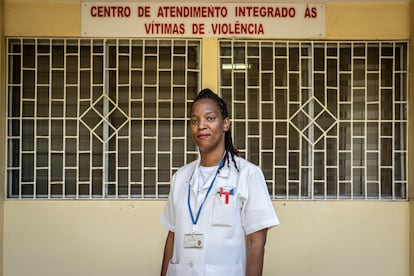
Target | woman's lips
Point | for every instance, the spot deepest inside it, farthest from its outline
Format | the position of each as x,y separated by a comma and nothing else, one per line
203,136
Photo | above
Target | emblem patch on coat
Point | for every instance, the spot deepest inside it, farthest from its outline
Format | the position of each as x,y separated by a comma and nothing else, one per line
224,193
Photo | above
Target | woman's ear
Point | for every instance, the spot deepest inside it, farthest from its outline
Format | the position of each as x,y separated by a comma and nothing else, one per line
226,125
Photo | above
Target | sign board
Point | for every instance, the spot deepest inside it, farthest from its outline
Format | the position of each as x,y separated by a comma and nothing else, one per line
229,20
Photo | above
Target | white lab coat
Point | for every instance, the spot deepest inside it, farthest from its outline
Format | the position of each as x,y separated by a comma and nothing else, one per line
224,221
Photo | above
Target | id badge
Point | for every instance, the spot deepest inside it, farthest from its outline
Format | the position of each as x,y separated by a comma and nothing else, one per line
193,240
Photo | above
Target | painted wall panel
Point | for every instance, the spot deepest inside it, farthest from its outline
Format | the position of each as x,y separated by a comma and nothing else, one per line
382,20
411,135
42,18
367,20
109,238
125,238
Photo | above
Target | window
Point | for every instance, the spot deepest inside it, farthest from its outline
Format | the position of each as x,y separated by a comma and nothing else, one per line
98,118
107,118
324,120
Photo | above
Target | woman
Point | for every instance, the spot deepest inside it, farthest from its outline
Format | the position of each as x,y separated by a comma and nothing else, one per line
219,208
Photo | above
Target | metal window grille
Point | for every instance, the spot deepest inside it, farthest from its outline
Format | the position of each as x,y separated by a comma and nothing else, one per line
98,118
324,120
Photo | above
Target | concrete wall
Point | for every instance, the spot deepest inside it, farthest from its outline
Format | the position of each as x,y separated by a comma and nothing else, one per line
107,238
411,135
2,129
115,237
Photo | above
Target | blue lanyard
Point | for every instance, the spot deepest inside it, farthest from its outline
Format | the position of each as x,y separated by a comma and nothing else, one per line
195,220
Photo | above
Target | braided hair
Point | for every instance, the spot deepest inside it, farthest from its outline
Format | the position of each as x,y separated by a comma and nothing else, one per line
231,150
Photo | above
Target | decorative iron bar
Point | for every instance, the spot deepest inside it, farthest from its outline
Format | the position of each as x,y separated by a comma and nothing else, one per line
324,120
98,118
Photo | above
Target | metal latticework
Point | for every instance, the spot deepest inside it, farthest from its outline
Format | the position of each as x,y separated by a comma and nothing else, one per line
107,118
98,118
324,120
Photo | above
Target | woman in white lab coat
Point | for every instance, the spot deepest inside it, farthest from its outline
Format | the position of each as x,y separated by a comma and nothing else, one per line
219,209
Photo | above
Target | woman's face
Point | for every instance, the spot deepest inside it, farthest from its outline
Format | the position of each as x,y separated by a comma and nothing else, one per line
208,127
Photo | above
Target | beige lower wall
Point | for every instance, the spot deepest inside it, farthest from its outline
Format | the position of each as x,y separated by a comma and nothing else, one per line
110,238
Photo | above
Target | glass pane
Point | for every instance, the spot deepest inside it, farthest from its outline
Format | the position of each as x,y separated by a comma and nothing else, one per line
372,166
281,72
164,167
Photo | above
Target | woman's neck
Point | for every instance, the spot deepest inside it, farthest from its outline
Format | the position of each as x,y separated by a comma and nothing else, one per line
211,158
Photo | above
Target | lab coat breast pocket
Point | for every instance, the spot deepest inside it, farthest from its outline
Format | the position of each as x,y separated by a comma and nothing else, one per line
224,208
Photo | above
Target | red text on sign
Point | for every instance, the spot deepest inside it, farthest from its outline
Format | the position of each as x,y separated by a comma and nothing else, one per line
110,11
311,12
143,11
164,28
250,11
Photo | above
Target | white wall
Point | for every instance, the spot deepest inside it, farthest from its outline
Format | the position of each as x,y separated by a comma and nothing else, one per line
111,238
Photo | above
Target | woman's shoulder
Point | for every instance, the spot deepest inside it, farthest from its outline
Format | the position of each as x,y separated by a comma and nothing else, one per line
244,164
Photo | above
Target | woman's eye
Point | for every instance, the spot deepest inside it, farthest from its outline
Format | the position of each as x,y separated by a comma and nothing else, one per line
194,121
211,118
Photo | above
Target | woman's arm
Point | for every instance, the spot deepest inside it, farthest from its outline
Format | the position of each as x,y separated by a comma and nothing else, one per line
168,252
255,245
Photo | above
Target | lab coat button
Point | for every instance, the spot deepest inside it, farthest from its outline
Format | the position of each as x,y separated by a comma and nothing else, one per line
191,264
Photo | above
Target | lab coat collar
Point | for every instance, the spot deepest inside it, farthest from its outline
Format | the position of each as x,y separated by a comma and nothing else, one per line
194,175
223,174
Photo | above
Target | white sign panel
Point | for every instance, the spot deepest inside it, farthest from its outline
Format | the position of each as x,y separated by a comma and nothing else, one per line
231,20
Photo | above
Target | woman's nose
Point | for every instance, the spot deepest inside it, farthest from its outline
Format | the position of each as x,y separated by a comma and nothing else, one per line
201,124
